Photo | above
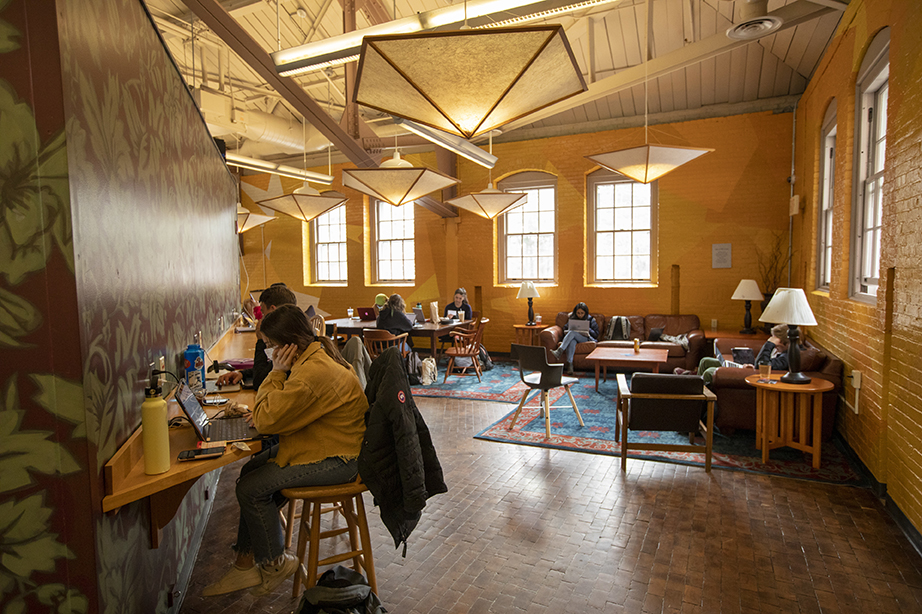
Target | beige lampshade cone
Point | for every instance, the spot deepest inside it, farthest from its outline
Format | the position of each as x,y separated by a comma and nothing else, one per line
789,306
397,186
528,290
248,221
467,82
747,290
648,162
490,202
304,207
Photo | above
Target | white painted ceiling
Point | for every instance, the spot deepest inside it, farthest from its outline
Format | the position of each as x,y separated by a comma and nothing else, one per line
694,70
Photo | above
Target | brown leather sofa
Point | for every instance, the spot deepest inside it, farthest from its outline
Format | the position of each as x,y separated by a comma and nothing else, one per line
736,400
641,327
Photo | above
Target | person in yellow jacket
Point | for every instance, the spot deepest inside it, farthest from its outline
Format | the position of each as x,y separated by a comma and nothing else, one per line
313,400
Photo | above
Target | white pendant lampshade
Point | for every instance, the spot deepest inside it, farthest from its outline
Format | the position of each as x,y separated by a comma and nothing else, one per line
467,82
648,162
305,203
248,221
490,202
396,181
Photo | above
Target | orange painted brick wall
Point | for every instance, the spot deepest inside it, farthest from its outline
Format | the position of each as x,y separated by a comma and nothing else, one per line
881,340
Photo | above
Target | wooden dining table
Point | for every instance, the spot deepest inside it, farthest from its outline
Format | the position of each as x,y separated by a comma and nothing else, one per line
432,330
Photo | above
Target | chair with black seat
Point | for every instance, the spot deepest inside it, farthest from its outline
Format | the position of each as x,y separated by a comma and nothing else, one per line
537,374
465,345
665,402
376,341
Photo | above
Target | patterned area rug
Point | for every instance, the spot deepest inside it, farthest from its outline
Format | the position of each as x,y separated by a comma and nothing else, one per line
736,452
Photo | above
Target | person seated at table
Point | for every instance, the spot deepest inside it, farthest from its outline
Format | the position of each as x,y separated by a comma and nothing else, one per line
774,352
571,338
314,401
394,319
270,299
459,308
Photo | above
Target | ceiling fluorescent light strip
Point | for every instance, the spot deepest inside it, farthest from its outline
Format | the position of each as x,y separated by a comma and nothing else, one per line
545,14
450,142
291,72
349,44
278,169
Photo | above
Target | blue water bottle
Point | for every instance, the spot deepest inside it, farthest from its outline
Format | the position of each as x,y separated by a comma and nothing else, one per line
195,366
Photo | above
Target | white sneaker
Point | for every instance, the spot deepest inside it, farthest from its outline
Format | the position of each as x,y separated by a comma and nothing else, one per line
275,572
234,580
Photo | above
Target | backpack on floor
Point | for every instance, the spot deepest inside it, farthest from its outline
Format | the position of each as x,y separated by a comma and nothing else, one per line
414,368
485,362
340,591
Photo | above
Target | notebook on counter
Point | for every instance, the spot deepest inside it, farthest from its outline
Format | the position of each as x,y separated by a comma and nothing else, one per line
225,429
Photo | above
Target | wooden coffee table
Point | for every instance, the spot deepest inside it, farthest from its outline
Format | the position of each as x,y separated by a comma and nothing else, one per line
783,415
625,357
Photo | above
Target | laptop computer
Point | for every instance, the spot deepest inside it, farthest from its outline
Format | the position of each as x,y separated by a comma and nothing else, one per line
581,326
743,355
367,314
420,316
227,429
723,359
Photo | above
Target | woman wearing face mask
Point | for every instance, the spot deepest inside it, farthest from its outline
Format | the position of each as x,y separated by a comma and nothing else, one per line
567,347
315,403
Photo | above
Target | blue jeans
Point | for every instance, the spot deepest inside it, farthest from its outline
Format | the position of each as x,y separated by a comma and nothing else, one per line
258,492
568,345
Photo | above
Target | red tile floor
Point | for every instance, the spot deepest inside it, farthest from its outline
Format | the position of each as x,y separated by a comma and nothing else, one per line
532,530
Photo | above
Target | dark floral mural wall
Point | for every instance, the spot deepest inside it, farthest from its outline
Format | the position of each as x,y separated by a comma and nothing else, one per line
117,245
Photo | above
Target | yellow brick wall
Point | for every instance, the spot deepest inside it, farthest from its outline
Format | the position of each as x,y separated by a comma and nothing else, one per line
881,340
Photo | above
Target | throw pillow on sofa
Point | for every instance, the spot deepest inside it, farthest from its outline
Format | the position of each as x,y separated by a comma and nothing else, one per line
811,359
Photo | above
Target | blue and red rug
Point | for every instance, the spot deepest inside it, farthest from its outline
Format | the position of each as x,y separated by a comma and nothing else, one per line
736,452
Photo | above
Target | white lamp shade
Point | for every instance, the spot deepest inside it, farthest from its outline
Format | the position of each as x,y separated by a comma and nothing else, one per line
490,202
748,290
789,306
396,185
248,221
648,162
528,290
467,82
304,207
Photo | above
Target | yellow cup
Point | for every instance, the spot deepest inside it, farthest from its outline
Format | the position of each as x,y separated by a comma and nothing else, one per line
765,371
636,345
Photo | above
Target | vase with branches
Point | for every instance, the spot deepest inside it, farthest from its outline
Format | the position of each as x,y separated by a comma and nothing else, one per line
772,266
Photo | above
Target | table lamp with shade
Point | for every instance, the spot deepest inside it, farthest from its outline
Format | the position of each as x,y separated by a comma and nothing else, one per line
528,290
789,306
747,290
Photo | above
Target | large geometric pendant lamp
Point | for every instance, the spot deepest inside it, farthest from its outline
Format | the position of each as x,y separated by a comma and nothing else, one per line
248,221
648,162
467,82
396,181
490,202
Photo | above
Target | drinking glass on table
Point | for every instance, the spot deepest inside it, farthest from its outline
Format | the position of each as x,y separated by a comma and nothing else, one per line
349,312
765,371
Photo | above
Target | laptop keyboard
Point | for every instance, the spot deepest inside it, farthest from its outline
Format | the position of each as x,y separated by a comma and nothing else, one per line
231,429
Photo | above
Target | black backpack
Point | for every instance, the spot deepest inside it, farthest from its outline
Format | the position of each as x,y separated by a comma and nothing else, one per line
485,362
340,591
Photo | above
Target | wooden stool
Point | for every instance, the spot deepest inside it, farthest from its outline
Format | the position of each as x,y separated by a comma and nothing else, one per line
346,499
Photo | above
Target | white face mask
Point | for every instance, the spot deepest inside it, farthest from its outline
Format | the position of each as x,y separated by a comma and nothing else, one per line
268,352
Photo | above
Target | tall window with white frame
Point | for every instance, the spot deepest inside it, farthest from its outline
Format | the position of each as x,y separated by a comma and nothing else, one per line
395,245
328,247
871,145
528,233
827,199
622,235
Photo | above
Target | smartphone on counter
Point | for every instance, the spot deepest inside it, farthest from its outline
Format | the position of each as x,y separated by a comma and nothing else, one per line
201,453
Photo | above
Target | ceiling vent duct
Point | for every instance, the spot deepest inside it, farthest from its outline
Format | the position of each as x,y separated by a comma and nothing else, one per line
755,22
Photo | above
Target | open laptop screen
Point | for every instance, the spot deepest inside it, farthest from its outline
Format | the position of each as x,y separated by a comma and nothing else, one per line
193,410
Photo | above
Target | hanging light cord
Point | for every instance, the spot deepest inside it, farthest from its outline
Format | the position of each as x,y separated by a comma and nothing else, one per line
646,57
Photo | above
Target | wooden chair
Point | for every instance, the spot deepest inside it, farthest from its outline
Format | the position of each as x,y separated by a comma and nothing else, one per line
665,402
341,500
537,374
376,341
465,344
468,326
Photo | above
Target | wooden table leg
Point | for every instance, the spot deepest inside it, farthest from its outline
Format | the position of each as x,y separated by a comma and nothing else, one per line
597,375
816,400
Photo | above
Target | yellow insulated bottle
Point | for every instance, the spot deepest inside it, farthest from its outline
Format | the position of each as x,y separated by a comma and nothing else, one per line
155,432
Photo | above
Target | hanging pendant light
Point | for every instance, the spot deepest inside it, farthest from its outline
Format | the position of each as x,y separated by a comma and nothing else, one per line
248,221
467,82
648,162
396,181
490,202
305,203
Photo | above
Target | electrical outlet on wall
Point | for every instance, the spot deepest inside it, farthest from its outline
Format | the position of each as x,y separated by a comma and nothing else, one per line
714,324
856,380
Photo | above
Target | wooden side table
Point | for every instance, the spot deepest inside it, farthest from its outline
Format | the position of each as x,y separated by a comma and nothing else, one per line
783,415
526,334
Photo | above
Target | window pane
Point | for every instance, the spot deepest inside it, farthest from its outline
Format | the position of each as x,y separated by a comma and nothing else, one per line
605,244
604,268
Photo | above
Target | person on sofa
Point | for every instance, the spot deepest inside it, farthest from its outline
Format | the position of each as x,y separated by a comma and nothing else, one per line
571,338
774,352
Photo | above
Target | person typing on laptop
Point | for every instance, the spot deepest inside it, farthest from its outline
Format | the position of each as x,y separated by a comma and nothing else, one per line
774,352
270,299
567,347
313,400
